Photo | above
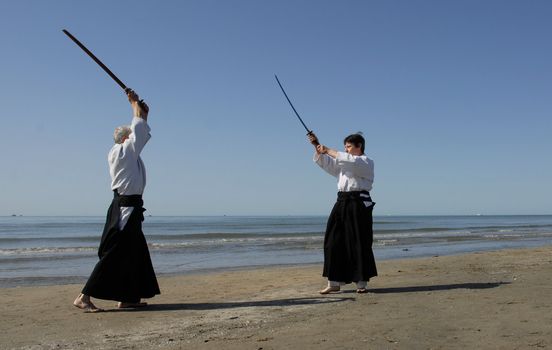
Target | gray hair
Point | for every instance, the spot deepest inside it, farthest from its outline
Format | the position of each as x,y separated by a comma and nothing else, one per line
121,132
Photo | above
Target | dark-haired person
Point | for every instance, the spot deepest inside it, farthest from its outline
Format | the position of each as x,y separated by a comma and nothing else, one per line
348,255
125,272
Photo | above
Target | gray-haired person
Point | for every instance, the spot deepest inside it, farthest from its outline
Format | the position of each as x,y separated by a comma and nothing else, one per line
125,272
348,255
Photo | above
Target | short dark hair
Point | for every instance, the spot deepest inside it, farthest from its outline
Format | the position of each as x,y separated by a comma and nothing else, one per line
356,139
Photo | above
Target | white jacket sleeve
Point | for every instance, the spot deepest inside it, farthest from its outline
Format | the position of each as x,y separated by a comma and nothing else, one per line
327,163
138,138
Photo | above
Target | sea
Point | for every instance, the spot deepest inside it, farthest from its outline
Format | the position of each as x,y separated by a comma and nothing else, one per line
63,250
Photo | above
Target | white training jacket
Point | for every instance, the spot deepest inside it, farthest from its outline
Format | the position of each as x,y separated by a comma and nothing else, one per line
127,170
354,173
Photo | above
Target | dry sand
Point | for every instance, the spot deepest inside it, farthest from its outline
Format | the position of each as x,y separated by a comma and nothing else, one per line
491,300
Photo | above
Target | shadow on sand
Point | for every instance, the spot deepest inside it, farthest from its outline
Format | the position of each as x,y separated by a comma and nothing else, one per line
238,304
334,298
439,287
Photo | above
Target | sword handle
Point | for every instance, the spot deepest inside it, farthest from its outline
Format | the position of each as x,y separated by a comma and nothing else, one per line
141,103
315,142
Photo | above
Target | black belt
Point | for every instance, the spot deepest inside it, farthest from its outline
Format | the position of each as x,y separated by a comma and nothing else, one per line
364,195
133,200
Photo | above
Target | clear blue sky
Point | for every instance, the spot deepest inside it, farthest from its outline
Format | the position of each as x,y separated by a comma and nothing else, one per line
454,99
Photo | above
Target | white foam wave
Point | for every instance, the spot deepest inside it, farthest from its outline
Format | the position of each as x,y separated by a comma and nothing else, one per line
45,250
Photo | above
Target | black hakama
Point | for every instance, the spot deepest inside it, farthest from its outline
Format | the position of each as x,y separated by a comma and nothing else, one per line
348,255
125,272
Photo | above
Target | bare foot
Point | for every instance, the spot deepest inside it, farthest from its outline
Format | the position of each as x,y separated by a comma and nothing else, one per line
124,305
362,290
329,290
83,302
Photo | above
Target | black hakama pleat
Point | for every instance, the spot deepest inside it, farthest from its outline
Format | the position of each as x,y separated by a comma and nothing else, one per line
348,255
125,272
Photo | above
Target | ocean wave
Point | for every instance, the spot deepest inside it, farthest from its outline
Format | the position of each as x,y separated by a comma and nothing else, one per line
226,235
395,234
236,241
15,240
385,242
504,236
45,250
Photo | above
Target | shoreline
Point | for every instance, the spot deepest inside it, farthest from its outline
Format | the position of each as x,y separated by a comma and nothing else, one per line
486,300
50,251
405,252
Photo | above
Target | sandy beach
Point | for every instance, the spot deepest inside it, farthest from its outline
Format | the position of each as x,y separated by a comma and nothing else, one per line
491,300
